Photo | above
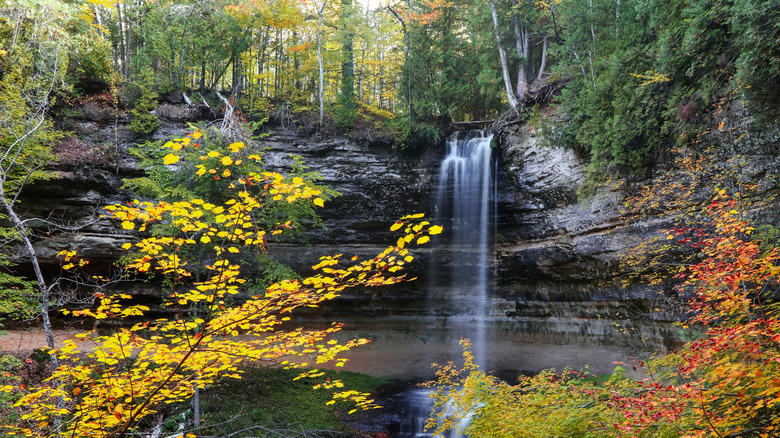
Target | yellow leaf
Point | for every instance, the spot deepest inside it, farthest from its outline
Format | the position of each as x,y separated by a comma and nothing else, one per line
127,246
396,226
319,202
170,159
127,225
436,229
423,239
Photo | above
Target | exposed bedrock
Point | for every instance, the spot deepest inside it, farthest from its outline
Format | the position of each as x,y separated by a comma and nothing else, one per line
556,296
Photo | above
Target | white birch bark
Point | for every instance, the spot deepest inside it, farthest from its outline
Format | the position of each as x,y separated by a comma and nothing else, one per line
504,63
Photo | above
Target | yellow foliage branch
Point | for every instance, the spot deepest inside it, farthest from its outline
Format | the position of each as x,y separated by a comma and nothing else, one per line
116,380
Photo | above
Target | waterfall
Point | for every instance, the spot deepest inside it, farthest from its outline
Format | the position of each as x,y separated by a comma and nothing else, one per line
463,205
419,407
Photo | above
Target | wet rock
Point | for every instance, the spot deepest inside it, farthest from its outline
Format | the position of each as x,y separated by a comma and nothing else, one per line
556,285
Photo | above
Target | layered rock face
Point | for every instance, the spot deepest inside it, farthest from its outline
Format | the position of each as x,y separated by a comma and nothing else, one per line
554,300
558,258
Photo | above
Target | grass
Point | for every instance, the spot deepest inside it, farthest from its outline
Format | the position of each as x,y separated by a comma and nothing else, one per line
269,397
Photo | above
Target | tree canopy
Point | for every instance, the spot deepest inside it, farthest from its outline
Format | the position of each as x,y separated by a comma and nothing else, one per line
646,82
640,73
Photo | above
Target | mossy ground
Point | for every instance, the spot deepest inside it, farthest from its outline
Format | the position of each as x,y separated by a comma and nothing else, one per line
269,397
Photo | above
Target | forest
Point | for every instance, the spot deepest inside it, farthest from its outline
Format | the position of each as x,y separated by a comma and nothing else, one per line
663,99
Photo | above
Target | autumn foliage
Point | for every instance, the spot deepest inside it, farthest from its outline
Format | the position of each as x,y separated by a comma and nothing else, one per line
106,384
724,383
727,383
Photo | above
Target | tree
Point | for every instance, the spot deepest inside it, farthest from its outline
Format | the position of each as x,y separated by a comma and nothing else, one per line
143,121
628,125
504,62
408,48
725,383
345,115
31,71
129,374
320,63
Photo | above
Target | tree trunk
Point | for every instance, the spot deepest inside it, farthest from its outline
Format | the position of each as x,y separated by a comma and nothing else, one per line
297,65
129,39
202,86
543,63
215,82
196,408
234,70
180,82
263,58
592,31
408,38
99,20
43,289
321,93
522,46
345,116
122,40
504,64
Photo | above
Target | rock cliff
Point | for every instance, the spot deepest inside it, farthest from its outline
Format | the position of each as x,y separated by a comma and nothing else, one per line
555,299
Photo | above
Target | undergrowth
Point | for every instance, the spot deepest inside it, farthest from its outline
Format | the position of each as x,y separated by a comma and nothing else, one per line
269,397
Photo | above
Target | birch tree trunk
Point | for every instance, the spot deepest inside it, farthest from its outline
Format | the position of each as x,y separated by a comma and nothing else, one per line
123,39
522,47
99,19
321,93
43,288
543,63
504,63
129,40
408,38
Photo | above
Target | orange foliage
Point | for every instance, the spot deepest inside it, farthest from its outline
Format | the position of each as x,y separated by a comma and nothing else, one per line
727,383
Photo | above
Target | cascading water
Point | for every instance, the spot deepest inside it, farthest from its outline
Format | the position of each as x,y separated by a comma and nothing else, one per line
420,406
463,206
